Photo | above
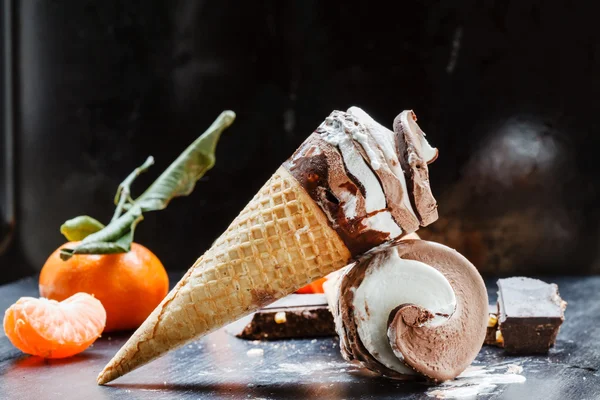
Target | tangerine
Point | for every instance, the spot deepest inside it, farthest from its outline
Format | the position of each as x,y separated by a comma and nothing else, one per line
52,329
129,285
313,287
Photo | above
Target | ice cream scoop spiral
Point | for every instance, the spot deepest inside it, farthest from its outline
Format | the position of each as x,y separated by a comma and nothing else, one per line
413,308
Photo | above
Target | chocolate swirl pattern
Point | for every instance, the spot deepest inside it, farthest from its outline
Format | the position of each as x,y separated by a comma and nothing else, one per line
414,308
372,183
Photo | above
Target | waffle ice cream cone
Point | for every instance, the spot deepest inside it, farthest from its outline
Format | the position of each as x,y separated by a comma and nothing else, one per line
283,239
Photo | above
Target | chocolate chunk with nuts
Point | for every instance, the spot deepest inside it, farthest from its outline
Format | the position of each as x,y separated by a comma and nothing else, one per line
296,316
530,314
492,326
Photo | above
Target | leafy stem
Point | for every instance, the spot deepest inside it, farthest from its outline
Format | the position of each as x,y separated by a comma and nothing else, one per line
124,191
179,179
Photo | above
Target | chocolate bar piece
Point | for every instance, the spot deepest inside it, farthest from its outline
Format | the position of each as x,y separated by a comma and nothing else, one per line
293,317
530,315
492,327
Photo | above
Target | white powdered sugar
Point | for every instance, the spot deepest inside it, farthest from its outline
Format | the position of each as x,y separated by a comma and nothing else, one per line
255,352
478,380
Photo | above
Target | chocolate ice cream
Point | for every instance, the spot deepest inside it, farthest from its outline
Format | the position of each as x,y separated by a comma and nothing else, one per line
372,183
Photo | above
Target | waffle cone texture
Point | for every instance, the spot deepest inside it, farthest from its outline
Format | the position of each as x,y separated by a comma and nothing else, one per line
278,243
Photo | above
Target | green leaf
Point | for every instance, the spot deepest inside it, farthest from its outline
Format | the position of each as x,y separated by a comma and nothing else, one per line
181,176
80,227
115,230
125,241
92,248
179,179
115,238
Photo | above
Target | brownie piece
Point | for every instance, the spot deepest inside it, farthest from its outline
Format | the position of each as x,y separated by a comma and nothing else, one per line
530,313
294,317
492,328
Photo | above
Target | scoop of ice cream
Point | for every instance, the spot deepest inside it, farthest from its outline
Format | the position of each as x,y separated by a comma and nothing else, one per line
418,153
362,175
413,308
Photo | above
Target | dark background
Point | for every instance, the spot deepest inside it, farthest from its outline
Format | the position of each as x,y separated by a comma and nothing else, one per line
508,91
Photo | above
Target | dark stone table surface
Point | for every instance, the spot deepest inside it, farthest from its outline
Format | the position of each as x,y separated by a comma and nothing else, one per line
221,366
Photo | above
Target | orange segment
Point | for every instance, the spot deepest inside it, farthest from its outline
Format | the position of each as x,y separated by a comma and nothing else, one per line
53,329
